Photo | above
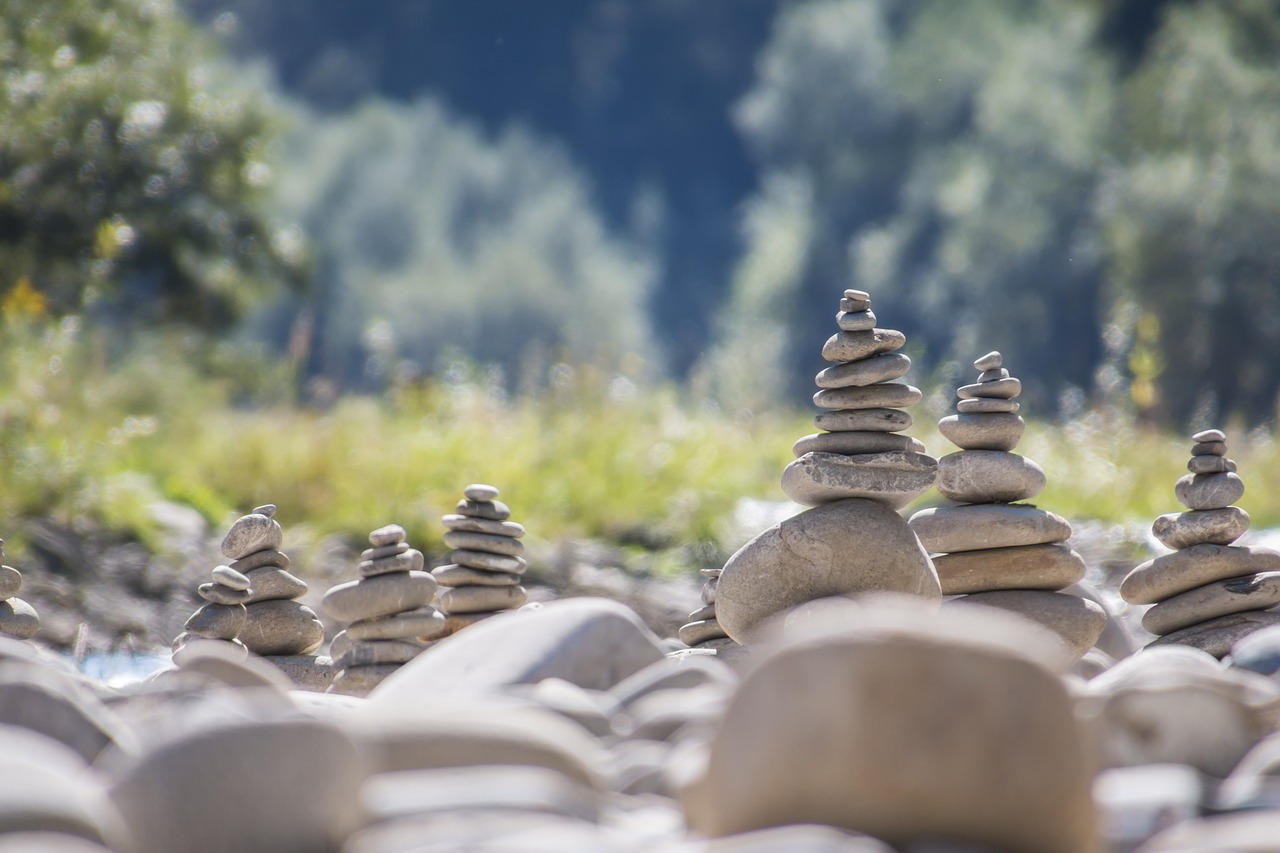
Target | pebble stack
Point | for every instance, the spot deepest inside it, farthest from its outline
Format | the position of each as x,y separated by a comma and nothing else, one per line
1208,593
861,453
276,624
389,611
17,618
220,619
991,548
485,568
703,629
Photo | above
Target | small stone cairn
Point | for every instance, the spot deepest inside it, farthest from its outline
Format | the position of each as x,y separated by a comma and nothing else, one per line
17,618
703,629
485,568
992,548
1208,593
389,609
861,454
220,620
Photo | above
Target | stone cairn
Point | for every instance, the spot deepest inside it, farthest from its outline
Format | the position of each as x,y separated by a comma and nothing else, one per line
1208,593
992,548
389,610
17,618
485,567
703,629
220,620
855,476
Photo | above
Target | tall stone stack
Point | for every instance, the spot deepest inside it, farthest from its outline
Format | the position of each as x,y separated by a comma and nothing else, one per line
220,620
994,549
18,619
855,476
1208,593
485,567
703,630
389,611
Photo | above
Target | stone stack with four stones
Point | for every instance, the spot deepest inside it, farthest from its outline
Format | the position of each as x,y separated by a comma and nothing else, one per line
854,476
389,611
703,630
992,548
220,620
17,618
485,568
1208,593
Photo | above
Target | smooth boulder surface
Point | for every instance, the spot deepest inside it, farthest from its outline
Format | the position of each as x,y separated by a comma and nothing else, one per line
895,478
842,548
947,529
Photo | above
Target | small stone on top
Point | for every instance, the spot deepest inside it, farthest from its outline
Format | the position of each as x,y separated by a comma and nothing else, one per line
390,534
269,510
857,295
480,493
1209,435
991,361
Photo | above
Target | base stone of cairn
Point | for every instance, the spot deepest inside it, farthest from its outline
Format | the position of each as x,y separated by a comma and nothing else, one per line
1208,593
854,475
18,619
220,620
389,611
990,549
703,630
485,567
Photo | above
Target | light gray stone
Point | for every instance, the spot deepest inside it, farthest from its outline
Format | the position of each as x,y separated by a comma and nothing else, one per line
10,582
250,533
886,395
1078,621
481,599
217,621
853,346
1221,598
483,525
1209,448
270,584
452,575
485,560
390,534
230,578
268,557
853,304
1210,465
269,510
492,510
384,595
868,371
379,652
856,321
993,375
503,545
998,431
394,796
1041,567
1209,435
408,561
359,680
1208,491
989,476
855,443
226,664
986,405
281,627
999,389
842,548
425,623
1199,527
700,631
18,619
974,528
1217,636
709,590
1241,832
480,493
1171,574
991,361
894,478
866,420
216,593
383,551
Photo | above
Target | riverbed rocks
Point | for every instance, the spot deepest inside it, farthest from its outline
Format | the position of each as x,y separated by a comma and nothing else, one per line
485,566
1209,593
389,611
18,619
991,548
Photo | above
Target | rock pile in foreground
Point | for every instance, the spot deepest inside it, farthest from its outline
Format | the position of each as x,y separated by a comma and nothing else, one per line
1208,593
18,619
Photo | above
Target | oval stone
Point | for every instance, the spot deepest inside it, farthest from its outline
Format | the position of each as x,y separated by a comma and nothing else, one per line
1043,567
219,594
454,575
1220,598
856,321
1078,621
408,561
492,562
368,598
1209,435
230,578
482,599
250,533
895,478
1210,464
281,627
1198,527
868,420
480,492
10,582
270,583
390,534
886,395
982,405
945,529
384,551
868,371
483,525
700,631
424,623
1171,574
989,476
854,443
493,510
853,346
216,621
999,389
991,361
991,431
1209,491
467,540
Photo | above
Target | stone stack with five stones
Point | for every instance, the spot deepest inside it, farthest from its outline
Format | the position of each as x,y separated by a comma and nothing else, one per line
220,620
703,630
485,569
390,612
854,476
1208,593
17,618
994,549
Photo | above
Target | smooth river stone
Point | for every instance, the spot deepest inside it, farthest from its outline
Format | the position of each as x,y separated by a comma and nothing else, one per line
1197,527
986,405
993,375
700,631
709,590
853,346
895,478
878,368
1172,574
425,623
270,583
251,533
379,652
1209,435
216,593
454,575
10,582
483,542
217,621
18,619
383,595
359,680
482,599
993,431
1000,389
945,529
888,395
281,627
1217,636
1210,465
1221,598
1078,621
409,561
856,321
492,562
991,361
267,558
1209,448
230,578
854,443
864,420
1038,567
1208,491
390,534
384,551
480,492
989,476
842,548
483,525
492,510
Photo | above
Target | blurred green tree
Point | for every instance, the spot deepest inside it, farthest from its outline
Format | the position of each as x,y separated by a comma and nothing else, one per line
131,166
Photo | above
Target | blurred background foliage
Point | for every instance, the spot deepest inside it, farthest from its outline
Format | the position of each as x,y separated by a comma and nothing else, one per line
291,207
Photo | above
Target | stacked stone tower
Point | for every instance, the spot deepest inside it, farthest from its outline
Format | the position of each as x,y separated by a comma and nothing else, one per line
703,629
855,476
992,548
220,619
1208,593
485,567
17,618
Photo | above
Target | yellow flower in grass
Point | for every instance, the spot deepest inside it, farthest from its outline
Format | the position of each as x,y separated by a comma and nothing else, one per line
23,300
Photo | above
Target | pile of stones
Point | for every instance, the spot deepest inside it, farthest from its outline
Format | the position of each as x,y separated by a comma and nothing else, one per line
220,620
703,630
390,612
1208,593
991,548
17,618
485,567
